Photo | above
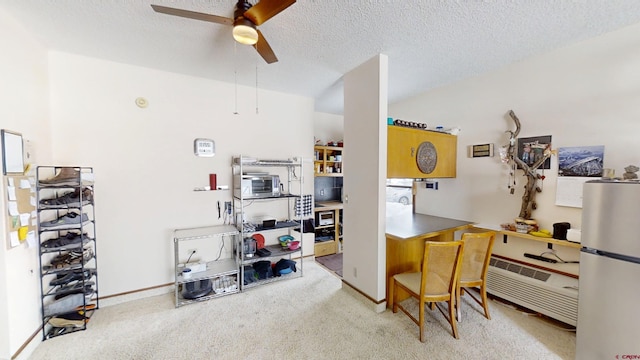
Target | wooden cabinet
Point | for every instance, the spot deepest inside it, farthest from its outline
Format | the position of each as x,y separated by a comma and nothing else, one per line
328,161
328,240
409,150
328,237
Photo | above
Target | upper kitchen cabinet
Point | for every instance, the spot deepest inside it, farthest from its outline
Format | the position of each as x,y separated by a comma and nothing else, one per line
419,154
328,161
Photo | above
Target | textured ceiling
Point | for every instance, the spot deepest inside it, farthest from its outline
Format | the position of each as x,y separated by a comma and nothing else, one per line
430,43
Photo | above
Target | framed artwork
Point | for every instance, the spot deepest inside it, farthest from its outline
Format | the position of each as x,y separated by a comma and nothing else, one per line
584,161
532,149
12,153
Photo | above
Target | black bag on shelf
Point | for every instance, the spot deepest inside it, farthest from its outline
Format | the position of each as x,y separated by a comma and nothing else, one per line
308,226
284,264
263,268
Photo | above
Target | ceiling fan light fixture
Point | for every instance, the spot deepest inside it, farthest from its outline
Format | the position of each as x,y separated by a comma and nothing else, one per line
244,31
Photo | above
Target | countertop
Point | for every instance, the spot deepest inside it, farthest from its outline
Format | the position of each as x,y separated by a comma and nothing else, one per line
327,205
409,225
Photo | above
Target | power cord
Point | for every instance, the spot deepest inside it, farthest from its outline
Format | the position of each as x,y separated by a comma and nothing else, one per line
221,247
189,258
553,252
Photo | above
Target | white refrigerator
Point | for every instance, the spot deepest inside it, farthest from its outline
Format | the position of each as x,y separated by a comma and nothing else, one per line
609,285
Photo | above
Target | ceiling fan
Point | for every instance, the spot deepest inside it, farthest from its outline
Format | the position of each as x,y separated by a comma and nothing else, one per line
245,19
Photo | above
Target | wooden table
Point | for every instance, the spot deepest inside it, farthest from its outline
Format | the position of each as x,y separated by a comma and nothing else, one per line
406,235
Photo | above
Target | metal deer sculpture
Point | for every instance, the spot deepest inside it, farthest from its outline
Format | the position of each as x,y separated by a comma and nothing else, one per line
531,188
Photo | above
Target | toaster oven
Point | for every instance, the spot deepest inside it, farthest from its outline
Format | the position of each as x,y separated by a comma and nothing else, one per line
256,186
325,218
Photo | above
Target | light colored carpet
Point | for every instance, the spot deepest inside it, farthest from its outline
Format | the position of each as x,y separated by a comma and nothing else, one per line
305,318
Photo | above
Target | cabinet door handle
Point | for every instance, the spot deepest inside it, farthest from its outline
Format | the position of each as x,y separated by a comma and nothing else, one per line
413,151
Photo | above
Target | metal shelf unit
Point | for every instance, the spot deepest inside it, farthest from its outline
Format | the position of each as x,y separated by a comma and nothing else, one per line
68,270
293,187
223,273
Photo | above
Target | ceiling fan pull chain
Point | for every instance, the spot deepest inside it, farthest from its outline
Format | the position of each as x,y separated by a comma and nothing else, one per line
235,75
256,85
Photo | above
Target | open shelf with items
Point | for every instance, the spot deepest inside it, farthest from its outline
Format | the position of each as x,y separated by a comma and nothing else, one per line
274,186
328,238
328,161
204,280
67,248
550,241
277,252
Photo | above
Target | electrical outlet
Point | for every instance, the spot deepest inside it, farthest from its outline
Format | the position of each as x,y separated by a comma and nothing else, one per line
192,252
322,192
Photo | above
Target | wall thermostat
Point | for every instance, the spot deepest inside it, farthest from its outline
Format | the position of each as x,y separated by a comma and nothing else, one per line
482,150
204,147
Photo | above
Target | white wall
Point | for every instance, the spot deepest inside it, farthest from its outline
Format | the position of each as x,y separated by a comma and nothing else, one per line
24,94
328,127
143,158
365,113
586,94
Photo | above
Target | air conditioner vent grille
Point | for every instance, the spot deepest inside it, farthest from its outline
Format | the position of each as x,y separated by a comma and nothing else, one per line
522,270
499,263
528,272
539,275
515,268
534,289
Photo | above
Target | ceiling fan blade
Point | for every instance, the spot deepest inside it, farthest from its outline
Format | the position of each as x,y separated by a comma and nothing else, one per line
192,15
266,9
263,48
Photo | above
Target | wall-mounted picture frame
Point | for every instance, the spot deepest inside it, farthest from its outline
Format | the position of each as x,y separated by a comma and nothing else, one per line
581,161
12,152
532,149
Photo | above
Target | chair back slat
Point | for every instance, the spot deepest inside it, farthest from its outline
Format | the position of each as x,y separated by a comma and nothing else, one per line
441,267
477,253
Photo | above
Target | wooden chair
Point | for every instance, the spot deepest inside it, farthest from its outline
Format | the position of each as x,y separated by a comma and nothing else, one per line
475,264
435,283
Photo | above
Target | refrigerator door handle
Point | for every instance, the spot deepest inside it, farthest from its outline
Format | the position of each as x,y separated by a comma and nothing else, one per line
611,255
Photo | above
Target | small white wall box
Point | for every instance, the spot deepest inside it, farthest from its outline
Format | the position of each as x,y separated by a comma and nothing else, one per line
204,147
430,184
482,150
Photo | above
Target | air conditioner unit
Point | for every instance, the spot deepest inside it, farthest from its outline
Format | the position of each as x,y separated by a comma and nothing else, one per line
548,293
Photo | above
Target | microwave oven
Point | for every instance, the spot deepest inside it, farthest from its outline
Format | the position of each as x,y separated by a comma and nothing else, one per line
325,218
256,186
